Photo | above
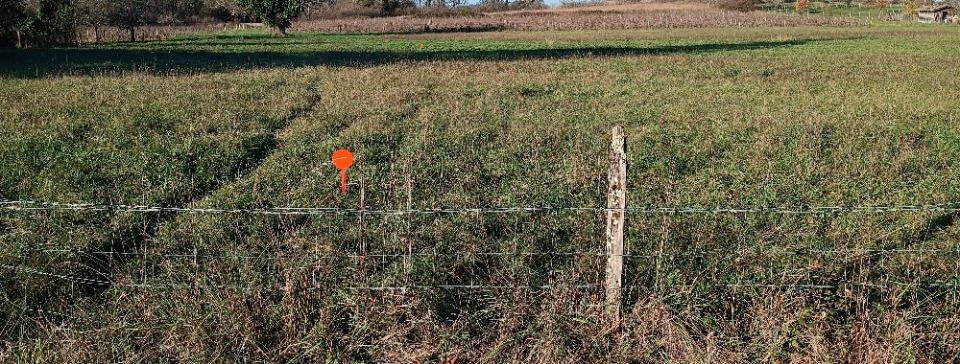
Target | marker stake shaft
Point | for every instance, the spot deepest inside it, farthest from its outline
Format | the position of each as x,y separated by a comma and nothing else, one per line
342,159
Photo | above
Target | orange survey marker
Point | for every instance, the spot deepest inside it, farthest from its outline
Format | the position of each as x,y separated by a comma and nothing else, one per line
342,159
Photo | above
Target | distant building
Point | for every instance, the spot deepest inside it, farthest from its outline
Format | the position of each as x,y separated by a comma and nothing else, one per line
937,13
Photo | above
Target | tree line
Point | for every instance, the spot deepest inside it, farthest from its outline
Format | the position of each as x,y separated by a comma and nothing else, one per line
47,22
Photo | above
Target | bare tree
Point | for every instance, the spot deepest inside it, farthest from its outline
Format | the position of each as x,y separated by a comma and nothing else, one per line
131,14
95,14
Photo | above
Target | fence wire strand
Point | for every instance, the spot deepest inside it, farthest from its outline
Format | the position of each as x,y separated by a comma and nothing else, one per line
468,254
29,205
288,256
585,286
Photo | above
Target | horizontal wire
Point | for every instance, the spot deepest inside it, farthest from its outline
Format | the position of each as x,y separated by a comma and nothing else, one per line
767,251
29,205
887,251
312,256
96,282
282,257
473,286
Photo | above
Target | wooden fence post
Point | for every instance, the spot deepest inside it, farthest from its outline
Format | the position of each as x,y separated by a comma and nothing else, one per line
616,202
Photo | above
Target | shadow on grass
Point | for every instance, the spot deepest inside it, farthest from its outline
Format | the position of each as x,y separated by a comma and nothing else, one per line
30,63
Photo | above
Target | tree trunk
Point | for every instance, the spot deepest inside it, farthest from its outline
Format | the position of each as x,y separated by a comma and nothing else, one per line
19,40
133,34
96,35
282,31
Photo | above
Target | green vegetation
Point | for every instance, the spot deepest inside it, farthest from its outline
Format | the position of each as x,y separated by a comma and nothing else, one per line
275,13
714,117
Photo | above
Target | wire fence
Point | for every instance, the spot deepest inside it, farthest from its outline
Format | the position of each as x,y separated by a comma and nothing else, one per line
23,206
955,284
27,205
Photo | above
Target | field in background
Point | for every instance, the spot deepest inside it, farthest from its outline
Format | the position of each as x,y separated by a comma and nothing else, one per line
625,16
598,16
726,117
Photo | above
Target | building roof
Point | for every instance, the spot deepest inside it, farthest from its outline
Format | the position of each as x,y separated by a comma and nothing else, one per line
935,8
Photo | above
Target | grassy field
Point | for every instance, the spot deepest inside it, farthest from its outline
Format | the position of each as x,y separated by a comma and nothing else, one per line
634,15
720,117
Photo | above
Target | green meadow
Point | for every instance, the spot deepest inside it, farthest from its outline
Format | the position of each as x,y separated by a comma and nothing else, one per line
786,118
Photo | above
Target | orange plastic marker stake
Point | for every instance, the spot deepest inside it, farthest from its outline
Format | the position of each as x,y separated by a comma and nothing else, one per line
342,159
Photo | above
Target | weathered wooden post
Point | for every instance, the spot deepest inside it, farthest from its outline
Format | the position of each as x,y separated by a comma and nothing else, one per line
616,203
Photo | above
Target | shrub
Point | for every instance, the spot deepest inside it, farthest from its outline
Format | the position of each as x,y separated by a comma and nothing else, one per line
220,13
737,5
911,9
275,13
52,23
394,7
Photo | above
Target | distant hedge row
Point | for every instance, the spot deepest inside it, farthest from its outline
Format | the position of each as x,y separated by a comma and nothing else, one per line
29,23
